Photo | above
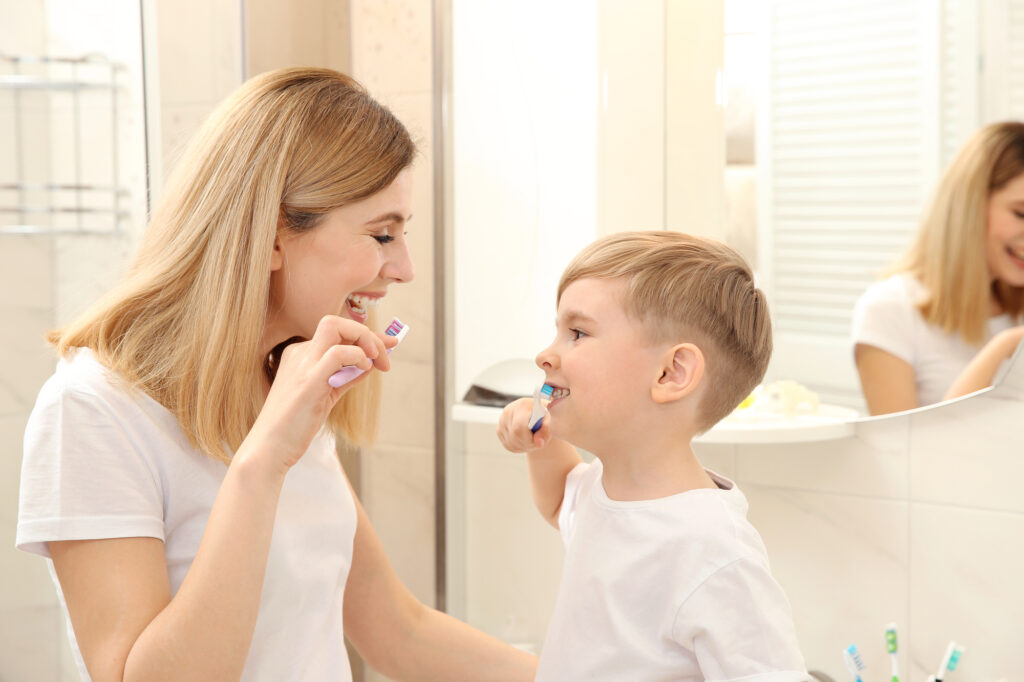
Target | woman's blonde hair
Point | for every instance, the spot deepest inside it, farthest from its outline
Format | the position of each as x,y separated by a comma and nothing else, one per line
186,323
948,255
687,288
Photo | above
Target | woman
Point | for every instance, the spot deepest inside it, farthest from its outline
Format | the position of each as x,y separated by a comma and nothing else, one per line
177,470
942,324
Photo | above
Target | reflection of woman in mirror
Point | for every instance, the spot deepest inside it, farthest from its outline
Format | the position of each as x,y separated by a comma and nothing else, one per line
949,314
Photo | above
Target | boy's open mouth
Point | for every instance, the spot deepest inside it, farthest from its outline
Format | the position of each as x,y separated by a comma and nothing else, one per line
558,393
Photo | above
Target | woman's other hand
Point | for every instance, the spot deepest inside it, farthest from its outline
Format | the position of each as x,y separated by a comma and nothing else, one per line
982,370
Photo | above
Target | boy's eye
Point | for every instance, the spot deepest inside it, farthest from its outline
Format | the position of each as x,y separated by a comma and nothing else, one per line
384,238
576,334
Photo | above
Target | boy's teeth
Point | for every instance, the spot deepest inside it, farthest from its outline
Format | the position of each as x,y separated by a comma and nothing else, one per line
559,393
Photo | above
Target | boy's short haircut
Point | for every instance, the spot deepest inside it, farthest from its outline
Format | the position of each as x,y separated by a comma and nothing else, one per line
684,288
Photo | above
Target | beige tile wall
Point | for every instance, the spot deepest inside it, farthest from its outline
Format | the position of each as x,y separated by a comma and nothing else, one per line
43,278
392,57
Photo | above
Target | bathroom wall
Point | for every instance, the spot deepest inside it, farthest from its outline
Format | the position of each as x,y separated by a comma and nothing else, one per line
392,55
44,277
916,519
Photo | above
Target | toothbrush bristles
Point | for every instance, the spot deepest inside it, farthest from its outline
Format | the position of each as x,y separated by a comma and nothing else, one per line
852,656
955,658
890,638
546,391
394,328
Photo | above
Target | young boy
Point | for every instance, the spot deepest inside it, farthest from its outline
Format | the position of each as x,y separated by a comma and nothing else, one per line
659,336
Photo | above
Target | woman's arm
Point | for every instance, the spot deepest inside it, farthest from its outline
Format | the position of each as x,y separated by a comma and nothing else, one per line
119,600
981,370
400,637
548,460
886,381
117,591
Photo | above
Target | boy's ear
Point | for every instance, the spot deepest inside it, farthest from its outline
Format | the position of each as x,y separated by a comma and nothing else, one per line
681,373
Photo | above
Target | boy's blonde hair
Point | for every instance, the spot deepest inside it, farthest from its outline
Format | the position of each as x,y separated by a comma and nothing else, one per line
684,288
186,323
948,255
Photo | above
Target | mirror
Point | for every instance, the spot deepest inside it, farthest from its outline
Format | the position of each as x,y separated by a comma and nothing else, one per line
809,137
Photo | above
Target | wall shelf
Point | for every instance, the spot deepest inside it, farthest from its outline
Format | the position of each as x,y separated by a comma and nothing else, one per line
831,422
75,199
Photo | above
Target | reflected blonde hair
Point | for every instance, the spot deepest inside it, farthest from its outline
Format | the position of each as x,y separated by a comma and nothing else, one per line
186,323
948,255
684,288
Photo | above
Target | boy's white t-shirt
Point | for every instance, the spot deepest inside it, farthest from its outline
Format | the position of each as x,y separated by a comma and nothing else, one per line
676,588
886,317
105,461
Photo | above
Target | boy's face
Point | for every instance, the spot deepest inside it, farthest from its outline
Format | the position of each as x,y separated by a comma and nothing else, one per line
600,364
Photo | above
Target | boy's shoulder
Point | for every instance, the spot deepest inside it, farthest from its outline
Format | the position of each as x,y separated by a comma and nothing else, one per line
713,523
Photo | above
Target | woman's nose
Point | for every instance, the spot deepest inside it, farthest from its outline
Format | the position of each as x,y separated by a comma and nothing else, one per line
399,267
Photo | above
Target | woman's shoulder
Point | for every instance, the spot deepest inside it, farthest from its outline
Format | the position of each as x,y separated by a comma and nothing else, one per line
81,379
901,287
81,372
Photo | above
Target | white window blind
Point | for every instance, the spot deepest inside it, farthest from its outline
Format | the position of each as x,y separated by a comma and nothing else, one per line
1014,39
848,146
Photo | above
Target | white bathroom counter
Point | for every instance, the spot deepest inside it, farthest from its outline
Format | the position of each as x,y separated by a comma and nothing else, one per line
830,422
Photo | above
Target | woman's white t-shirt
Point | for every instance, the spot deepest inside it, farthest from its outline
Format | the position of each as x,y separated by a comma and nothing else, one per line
887,317
102,460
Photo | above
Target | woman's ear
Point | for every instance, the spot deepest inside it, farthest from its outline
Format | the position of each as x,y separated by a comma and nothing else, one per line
277,255
681,373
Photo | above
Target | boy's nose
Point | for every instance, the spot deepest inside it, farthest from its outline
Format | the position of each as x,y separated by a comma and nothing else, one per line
399,268
546,359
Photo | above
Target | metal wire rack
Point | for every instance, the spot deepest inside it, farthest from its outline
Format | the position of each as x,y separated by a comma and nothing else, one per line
60,171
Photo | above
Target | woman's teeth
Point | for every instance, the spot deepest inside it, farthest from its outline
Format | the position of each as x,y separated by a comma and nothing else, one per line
359,303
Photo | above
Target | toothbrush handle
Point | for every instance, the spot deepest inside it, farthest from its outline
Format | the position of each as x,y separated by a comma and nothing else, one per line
536,427
347,374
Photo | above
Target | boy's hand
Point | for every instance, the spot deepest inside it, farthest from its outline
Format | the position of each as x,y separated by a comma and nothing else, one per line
514,428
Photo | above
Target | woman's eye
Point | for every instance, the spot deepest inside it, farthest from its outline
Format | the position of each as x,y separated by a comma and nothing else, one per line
384,238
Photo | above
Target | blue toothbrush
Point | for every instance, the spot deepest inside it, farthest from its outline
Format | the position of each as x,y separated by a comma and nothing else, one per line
538,413
853,662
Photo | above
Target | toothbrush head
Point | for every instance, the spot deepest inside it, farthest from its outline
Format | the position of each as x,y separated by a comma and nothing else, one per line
538,412
853,661
397,329
890,638
954,657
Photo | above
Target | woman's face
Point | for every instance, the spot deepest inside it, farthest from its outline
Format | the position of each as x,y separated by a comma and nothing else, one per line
1005,242
343,266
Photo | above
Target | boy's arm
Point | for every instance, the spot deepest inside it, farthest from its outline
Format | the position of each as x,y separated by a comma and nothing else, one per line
548,459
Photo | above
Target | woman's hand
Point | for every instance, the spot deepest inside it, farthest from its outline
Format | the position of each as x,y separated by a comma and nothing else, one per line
300,398
514,427
982,369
